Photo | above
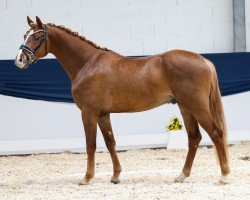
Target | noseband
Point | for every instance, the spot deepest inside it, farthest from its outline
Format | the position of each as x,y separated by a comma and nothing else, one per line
31,54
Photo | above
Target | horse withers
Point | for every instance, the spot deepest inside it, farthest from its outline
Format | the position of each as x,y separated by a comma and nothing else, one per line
105,82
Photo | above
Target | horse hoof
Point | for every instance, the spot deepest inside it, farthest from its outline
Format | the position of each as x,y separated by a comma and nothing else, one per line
84,182
223,180
180,178
115,180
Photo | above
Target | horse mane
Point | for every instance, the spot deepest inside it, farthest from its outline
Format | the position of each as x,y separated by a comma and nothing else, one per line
77,35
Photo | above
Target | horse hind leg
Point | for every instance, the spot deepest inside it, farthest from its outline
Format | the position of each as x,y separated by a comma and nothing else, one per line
216,134
194,138
201,112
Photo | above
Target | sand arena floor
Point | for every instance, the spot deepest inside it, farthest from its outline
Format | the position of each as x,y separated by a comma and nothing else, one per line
147,174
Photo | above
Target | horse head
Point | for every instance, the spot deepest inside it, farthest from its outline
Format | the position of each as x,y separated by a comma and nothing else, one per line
35,44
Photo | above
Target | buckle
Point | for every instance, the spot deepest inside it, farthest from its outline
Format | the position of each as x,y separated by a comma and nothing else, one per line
32,57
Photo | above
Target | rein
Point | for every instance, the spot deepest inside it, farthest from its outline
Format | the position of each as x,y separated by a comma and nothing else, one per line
31,55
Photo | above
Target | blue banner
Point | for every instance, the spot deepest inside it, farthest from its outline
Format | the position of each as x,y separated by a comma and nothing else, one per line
46,80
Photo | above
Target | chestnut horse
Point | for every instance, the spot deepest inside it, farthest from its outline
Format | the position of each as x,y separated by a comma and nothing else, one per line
105,82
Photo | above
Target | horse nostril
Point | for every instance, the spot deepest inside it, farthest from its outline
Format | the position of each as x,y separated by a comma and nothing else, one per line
20,59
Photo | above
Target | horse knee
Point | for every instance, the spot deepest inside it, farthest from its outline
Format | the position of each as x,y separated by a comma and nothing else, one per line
91,148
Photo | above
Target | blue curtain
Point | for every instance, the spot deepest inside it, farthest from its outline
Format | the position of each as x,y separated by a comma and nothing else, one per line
233,71
46,80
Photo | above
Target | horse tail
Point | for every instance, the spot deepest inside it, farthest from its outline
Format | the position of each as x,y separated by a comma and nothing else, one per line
216,107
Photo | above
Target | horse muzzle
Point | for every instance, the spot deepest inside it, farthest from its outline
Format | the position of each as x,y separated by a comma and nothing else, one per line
21,60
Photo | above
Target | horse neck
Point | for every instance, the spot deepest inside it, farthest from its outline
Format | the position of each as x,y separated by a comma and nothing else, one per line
72,52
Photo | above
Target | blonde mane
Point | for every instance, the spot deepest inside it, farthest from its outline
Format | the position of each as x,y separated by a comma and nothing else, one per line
77,35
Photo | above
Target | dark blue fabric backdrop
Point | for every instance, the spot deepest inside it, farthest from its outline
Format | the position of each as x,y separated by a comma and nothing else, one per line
46,80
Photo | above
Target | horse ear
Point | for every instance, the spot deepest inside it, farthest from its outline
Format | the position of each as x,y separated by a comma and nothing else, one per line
39,22
29,21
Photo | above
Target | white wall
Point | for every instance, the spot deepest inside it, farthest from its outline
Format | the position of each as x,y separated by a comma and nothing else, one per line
37,126
247,20
131,27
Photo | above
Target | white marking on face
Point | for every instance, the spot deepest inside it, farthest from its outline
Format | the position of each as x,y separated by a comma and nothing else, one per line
28,35
21,61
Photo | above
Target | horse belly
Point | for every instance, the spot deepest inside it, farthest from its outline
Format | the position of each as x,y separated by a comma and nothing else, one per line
139,102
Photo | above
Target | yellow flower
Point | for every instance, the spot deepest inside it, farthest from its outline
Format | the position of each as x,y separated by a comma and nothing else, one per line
174,125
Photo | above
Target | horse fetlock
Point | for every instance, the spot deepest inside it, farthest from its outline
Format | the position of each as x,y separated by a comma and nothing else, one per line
115,179
118,171
84,181
225,171
186,172
87,178
89,175
181,178
224,180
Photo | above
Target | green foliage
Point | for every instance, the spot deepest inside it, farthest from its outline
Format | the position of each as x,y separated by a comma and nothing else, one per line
174,125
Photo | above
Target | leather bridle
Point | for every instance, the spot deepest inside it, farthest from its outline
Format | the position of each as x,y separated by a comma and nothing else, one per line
31,54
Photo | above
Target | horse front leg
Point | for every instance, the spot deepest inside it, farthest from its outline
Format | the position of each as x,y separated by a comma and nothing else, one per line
90,119
106,129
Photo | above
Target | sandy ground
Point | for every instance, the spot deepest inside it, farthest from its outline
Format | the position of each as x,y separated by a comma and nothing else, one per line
147,174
